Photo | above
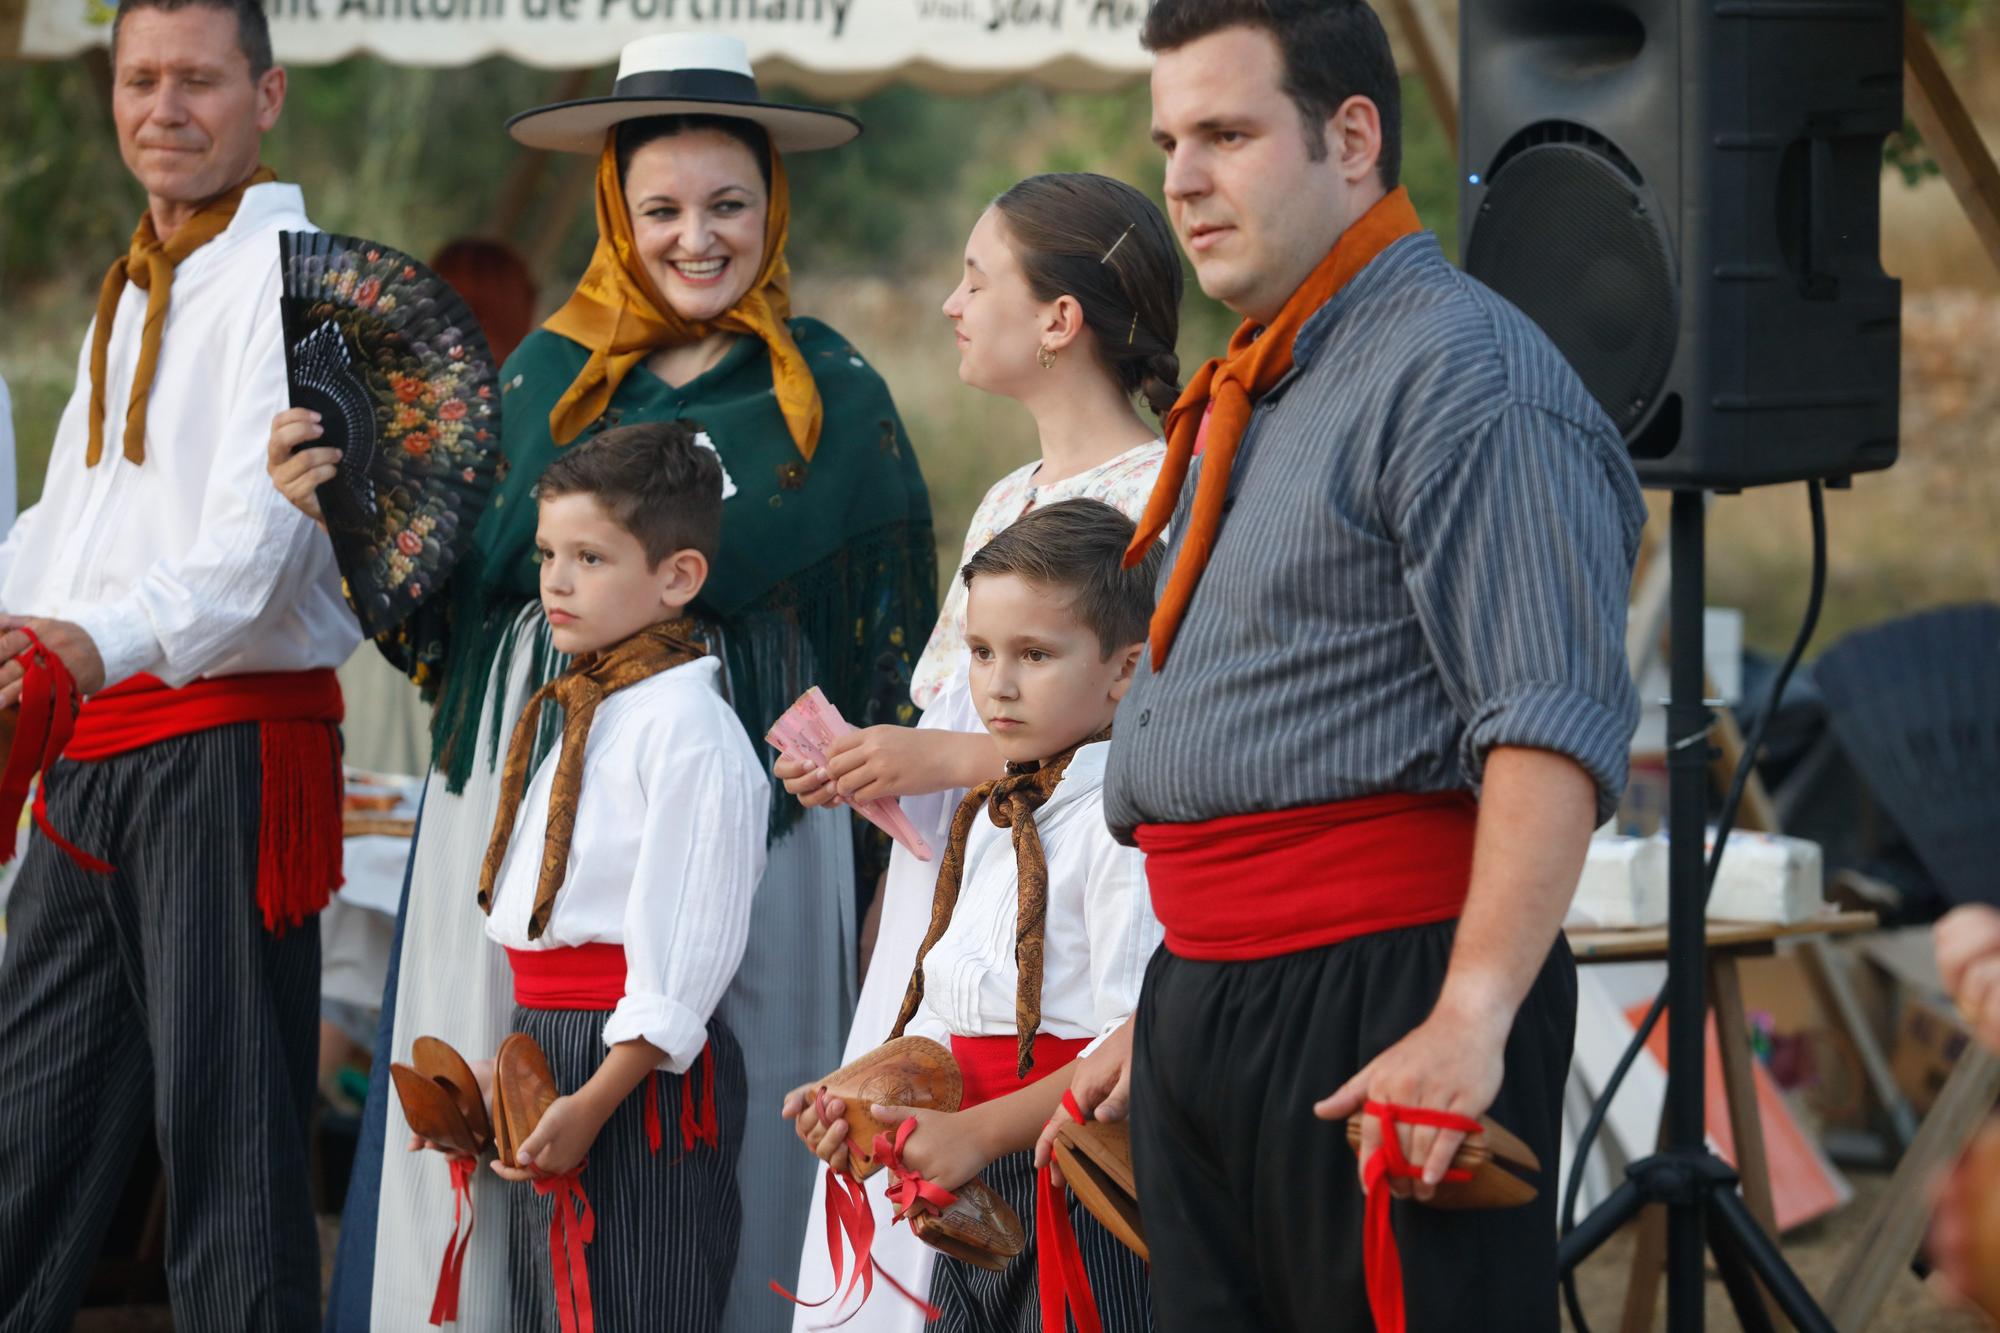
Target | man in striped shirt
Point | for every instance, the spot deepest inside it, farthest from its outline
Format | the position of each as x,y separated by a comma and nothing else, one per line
1384,705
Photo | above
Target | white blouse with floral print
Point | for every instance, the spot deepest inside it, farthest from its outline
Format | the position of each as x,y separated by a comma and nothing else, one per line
1123,482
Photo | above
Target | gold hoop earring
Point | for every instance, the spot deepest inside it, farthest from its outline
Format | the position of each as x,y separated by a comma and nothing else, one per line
1045,357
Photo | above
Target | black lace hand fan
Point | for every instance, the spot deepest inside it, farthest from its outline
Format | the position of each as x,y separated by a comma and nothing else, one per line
399,371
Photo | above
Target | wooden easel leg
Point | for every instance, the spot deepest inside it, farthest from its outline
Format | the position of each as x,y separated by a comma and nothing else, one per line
1951,134
1436,54
1739,1085
1649,1263
1896,1227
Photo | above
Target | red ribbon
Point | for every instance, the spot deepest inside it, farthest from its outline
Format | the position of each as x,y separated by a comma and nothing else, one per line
444,1306
695,1127
849,1215
570,1229
911,1191
1381,1261
1058,1260
47,720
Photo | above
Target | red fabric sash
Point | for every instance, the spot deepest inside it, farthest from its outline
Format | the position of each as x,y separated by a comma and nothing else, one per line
849,1218
583,976
572,1225
1261,885
298,715
987,1064
1059,1271
444,1305
1381,1262
592,977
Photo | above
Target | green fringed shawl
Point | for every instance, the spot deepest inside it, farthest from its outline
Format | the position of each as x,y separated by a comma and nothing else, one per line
827,574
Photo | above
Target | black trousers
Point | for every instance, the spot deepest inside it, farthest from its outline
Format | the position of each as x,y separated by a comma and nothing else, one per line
1252,1206
977,1300
668,1223
154,997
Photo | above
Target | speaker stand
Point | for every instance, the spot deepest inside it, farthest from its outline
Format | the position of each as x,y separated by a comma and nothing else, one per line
1697,1188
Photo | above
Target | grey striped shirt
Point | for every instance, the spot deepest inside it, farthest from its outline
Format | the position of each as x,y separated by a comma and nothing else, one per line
1425,552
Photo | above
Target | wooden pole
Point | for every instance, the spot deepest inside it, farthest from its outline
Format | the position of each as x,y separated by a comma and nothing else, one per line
1948,129
1436,53
13,18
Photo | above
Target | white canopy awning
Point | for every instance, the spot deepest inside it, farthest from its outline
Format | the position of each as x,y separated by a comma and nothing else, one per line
826,49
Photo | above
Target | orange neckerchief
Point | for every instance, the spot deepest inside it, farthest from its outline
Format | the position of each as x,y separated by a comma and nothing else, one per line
1258,358
149,265
618,313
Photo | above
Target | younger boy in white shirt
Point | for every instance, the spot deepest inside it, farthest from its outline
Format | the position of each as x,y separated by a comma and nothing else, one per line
1055,626
619,880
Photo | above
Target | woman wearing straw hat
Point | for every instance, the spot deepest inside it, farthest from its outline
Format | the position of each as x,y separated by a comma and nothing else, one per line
826,576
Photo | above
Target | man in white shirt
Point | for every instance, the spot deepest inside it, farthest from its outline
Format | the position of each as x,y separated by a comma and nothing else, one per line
163,951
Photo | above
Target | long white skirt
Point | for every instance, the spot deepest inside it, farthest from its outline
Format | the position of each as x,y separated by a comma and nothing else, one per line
455,984
906,912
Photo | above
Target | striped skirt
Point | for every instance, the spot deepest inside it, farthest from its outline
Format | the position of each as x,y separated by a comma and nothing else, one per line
971,1299
667,1222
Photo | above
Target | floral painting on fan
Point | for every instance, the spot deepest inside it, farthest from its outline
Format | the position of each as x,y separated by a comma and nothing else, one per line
400,373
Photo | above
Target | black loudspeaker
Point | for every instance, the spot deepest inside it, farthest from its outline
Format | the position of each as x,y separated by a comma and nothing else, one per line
1685,194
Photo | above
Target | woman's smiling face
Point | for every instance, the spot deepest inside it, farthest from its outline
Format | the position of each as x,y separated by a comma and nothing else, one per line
698,204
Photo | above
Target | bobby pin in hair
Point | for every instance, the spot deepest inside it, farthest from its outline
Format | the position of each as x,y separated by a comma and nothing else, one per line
1115,244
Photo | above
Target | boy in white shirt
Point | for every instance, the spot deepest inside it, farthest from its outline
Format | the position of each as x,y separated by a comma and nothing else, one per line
619,880
1041,928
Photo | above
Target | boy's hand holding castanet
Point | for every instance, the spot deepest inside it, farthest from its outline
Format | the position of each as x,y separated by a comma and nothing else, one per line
561,1138
821,1123
1101,1083
482,1073
947,1148
560,1142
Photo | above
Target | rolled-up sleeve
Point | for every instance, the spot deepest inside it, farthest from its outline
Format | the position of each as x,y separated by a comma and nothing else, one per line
1518,546
687,919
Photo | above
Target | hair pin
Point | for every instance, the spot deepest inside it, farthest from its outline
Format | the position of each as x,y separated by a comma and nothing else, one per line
1115,244
1134,332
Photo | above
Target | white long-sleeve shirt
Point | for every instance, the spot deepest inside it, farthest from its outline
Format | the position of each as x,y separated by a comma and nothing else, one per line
190,563
1100,934
666,853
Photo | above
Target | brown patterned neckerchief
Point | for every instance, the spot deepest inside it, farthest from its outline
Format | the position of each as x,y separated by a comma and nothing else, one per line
590,680
1012,802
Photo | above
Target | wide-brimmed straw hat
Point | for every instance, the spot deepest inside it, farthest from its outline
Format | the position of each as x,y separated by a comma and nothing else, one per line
681,74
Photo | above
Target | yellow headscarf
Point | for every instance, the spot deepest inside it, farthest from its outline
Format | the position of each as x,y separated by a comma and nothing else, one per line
619,314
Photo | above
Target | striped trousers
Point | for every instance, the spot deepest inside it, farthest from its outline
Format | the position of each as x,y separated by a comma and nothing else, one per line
154,997
667,1222
977,1300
